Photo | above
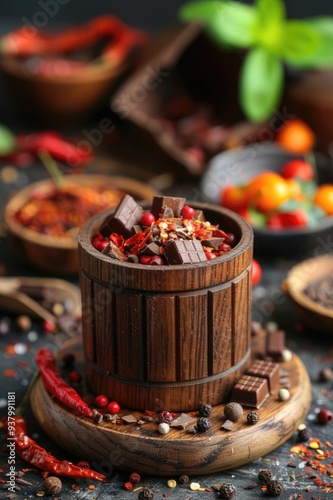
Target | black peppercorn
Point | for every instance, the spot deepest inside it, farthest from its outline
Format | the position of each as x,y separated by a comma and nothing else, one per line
274,488
227,491
183,479
304,434
203,424
52,485
233,411
205,410
265,475
146,494
253,417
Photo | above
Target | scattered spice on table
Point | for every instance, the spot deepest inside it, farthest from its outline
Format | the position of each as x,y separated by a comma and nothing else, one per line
56,386
30,451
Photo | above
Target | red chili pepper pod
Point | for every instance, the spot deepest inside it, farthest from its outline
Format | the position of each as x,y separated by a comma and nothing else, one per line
27,449
56,386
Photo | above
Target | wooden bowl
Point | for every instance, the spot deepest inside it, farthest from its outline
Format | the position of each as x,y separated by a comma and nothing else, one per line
299,277
238,167
56,254
61,100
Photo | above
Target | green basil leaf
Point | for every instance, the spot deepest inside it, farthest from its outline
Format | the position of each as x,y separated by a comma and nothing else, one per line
202,11
271,21
301,41
270,11
261,83
235,25
323,56
7,140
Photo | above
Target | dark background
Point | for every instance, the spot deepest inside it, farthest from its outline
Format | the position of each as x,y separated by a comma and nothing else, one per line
152,15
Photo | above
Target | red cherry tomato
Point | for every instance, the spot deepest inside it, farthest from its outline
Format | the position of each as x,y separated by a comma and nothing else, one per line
280,220
256,272
101,401
147,219
300,169
187,212
113,407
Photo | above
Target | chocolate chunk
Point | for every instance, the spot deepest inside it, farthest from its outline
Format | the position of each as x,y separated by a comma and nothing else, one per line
275,343
129,419
227,425
250,391
184,252
151,249
127,214
213,242
182,421
199,215
113,251
160,203
268,370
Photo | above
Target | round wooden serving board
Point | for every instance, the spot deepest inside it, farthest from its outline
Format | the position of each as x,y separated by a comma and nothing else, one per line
131,446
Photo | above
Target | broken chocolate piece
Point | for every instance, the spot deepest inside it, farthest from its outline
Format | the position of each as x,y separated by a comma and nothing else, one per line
161,202
275,343
129,419
151,249
127,214
213,242
182,421
268,370
228,425
250,391
184,252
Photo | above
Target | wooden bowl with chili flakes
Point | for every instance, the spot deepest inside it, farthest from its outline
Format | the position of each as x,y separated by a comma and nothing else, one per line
309,286
42,222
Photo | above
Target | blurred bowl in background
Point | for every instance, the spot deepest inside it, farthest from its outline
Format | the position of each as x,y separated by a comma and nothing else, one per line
57,254
299,277
63,77
239,166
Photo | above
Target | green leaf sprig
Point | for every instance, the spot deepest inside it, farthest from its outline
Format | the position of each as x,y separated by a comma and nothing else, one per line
271,40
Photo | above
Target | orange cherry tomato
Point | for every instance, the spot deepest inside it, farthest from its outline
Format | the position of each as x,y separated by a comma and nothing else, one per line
267,191
233,197
296,136
323,198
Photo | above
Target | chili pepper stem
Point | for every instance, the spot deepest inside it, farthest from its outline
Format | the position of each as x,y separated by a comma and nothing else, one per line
22,406
52,167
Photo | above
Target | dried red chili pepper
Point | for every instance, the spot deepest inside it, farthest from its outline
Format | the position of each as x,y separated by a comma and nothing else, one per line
34,454
57,146
56,386
122,39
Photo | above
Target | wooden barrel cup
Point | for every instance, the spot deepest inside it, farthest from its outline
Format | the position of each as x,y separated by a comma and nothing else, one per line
167,337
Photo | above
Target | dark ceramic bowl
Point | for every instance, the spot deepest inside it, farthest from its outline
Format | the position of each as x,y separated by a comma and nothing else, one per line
239,166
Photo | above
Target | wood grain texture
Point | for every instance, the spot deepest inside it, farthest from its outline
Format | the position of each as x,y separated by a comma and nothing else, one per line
175,334
141,448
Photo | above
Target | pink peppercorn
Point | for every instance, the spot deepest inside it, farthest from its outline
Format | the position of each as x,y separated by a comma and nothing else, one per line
187,212
325,416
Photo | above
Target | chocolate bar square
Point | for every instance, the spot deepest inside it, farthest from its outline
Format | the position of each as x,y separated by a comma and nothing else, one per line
250,391
275,343
184,252
268,370
160,203
126,216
